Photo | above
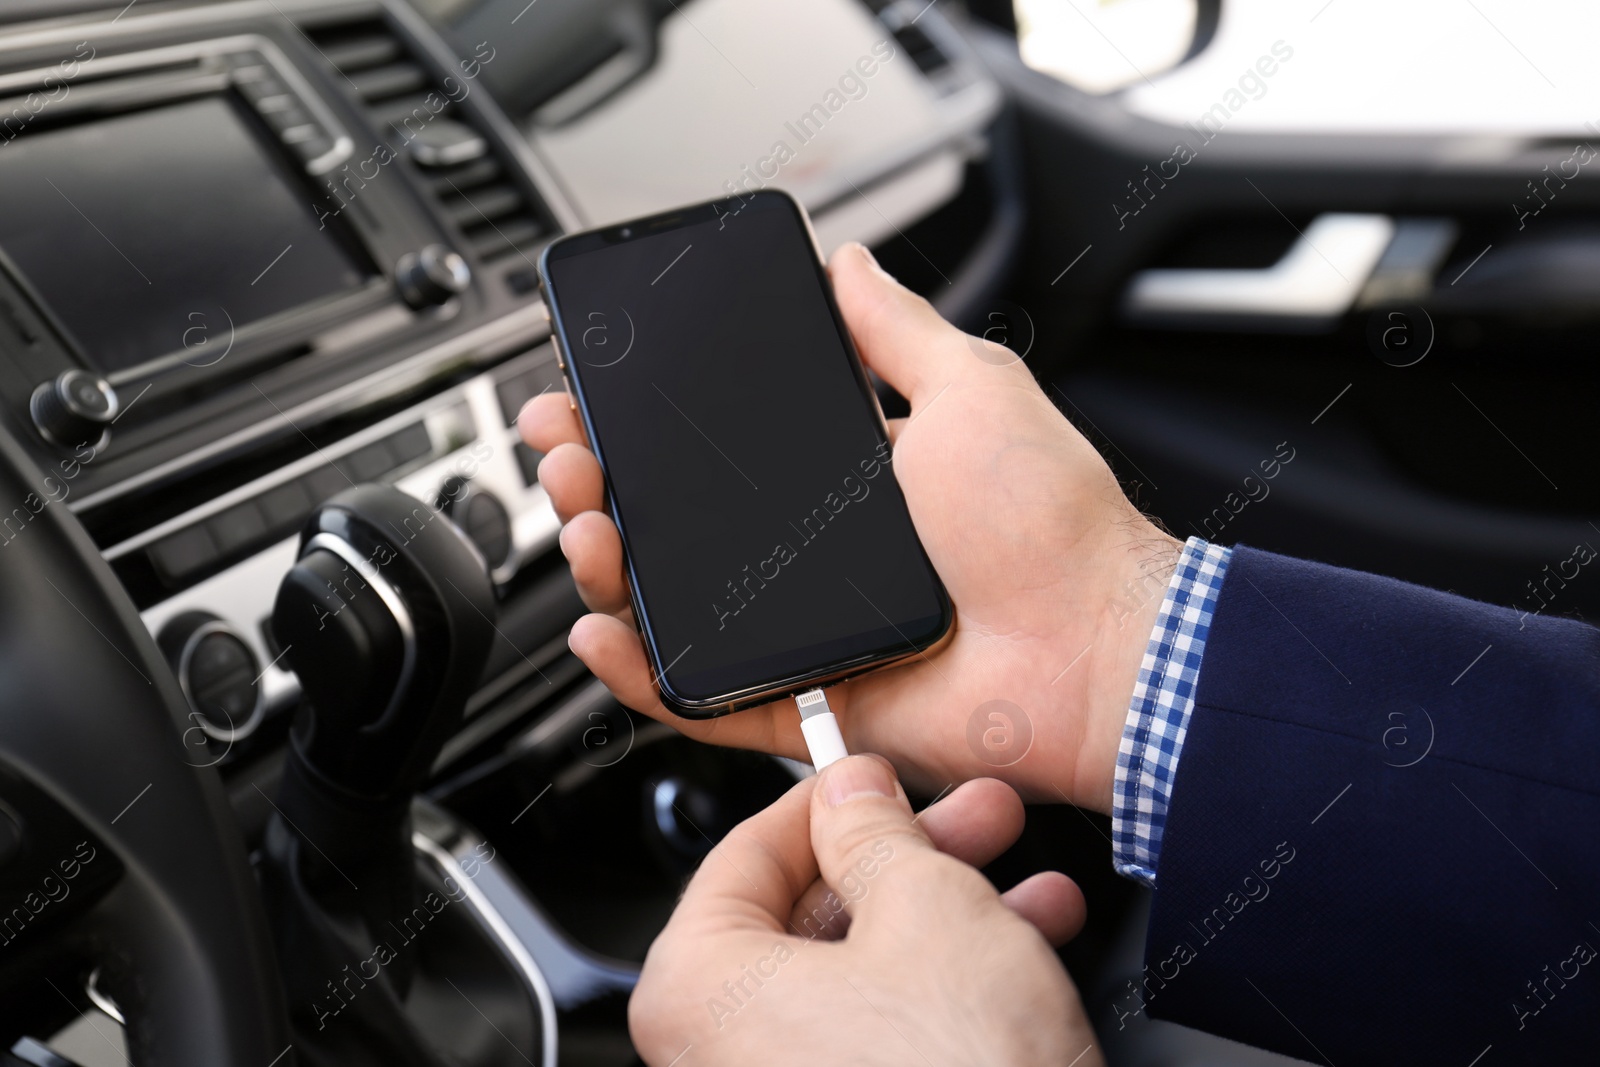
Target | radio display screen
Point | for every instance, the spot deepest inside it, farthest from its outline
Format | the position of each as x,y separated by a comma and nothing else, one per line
137,230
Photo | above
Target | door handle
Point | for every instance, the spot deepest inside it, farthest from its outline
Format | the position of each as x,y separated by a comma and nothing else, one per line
1308,290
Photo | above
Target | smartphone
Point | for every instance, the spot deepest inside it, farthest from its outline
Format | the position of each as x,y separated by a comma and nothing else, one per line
768,548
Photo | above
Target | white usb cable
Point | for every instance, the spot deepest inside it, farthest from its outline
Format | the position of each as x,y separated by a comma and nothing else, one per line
820,728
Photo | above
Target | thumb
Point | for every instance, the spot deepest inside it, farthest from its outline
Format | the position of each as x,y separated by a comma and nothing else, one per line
899,334
869,848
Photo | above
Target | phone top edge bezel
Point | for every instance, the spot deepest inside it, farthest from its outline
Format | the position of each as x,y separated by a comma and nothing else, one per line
682,217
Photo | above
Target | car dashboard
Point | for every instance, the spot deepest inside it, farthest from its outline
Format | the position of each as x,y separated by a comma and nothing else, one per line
258,252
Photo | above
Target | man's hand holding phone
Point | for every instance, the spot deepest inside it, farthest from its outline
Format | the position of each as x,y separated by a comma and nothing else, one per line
1056,577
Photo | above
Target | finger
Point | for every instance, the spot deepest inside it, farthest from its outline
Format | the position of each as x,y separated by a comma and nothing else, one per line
1052,902
612,651
548,420
975,824
899,334
594,551
571,475
895,428
751,878
880,862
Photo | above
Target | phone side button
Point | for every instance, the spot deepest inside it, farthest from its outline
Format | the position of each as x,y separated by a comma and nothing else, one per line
555,343
571,400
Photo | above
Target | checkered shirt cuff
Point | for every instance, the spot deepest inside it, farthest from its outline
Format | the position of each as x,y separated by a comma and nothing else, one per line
1158,715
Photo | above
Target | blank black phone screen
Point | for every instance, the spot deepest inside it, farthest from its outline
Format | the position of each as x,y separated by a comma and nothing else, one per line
766,535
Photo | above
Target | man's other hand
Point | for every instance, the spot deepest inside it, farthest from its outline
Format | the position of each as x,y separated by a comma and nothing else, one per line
835,927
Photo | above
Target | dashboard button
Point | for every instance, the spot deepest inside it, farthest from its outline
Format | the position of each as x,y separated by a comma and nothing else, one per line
522,281
256,82
217,672
304,133
366,464
444,142
323,483
488,525
481,516
284,118
187,552
221,680
237,527
528,461
410,444
313,148
522,387
285,507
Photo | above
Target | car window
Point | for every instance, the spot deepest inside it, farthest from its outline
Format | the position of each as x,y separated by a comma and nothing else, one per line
1103,45
1430,66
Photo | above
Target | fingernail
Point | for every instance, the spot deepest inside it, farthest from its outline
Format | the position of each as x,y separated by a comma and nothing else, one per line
854,777
872,261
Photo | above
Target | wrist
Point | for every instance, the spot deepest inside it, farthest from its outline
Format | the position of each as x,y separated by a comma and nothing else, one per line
1140,567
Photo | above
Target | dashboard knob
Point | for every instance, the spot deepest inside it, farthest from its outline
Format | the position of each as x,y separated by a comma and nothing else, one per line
75,408
488,525
432,276
481,516
217,672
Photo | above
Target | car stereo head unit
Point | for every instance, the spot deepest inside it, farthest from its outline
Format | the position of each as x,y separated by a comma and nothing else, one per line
174,219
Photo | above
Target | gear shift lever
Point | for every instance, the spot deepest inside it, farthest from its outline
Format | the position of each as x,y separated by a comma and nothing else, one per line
387,618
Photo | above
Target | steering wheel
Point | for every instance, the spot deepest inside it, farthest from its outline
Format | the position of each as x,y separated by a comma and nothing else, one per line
91,750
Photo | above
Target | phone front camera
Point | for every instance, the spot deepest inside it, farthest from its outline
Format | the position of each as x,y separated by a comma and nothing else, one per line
627,231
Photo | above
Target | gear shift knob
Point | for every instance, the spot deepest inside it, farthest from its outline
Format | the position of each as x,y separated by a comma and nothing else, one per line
386,618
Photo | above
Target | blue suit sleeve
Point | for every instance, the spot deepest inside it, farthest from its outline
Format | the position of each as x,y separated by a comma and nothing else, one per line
1383,845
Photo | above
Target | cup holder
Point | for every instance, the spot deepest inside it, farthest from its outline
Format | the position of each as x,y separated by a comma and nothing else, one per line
602,815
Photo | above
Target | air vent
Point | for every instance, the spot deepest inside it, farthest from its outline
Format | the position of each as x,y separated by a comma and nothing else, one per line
928,56
900,17
468,177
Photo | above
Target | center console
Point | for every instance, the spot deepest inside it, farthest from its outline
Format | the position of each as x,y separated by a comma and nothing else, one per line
255,254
